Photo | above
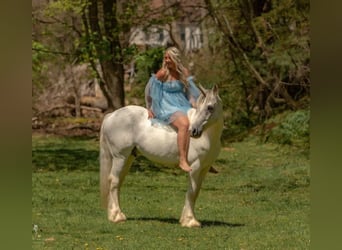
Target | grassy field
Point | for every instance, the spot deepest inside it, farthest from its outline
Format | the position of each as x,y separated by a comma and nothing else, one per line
258,200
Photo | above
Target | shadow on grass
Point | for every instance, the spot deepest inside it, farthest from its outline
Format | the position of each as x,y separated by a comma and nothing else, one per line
205,223
53,159
208,223
62,157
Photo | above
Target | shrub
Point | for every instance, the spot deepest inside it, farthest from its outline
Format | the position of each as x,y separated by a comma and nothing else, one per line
148,62
292,129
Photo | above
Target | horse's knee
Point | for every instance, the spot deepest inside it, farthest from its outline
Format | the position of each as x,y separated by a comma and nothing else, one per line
114,181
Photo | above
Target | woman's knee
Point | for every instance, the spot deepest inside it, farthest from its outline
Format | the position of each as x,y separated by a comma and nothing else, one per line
183,122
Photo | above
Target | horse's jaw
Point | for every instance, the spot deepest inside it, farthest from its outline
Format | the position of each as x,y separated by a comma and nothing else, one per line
216,122
195,129
190,114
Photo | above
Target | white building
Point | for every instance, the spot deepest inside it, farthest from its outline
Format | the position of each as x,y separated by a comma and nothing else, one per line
186,31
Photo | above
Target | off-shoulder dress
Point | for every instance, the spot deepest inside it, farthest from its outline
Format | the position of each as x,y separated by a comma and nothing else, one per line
169,99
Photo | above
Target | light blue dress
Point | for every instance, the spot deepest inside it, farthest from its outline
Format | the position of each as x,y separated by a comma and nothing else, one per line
169,99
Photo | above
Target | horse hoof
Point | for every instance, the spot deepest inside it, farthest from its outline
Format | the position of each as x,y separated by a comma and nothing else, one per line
191,223
118,217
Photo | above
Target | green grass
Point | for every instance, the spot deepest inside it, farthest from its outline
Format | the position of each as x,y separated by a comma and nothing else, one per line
258,200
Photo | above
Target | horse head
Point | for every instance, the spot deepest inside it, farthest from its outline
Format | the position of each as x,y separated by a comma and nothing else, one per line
208,111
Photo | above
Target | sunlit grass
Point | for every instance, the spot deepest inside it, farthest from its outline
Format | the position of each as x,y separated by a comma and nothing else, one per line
258,200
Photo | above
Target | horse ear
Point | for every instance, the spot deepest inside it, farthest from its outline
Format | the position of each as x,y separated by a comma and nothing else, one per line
200,87
215,89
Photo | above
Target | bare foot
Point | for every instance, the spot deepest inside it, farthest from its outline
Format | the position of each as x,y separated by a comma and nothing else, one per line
185,166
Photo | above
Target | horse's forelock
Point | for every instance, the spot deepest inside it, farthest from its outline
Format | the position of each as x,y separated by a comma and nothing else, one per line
200,99
210,96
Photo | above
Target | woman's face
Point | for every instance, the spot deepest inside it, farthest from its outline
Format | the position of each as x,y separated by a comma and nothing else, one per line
168,62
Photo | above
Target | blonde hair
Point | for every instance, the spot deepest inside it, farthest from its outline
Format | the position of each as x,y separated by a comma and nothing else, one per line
175,56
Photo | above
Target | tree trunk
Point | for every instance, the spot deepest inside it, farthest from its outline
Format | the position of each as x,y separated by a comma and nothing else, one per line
113,70
108,51
113,77
77,105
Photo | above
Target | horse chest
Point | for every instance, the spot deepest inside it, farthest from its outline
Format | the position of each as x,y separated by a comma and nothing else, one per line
204,145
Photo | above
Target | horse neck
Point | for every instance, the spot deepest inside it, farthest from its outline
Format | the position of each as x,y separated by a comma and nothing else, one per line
214,131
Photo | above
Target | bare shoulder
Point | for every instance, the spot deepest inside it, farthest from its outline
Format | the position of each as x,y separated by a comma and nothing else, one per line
160,75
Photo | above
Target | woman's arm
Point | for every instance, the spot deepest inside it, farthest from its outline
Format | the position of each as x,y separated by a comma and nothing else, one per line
148,100
192,91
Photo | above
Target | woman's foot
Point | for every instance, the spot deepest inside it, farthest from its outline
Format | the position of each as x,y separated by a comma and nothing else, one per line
185,166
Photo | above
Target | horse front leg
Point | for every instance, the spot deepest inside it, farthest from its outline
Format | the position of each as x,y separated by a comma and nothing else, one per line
117,175
196,178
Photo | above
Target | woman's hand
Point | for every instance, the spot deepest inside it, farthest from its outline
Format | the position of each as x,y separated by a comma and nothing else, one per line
160,75
150,114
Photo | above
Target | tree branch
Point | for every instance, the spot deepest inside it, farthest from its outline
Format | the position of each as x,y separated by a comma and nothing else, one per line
52,52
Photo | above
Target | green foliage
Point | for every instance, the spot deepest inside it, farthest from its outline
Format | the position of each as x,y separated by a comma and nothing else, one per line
86,50
292,128
129,53
262,42
63,6
37,55
260,199
38,66
40,62
148,62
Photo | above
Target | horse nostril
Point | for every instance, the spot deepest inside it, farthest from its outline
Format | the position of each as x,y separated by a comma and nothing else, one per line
194,132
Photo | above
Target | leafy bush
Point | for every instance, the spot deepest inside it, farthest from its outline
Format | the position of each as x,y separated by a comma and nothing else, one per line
293,129
148,62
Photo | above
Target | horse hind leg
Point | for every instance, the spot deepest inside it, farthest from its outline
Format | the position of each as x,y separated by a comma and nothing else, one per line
105,168
118,172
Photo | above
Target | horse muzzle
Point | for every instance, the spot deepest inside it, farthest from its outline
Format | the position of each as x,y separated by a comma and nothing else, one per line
195,132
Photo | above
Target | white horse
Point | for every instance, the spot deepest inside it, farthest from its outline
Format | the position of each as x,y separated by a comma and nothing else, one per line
127,132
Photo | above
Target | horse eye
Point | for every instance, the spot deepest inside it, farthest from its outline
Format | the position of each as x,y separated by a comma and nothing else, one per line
210,108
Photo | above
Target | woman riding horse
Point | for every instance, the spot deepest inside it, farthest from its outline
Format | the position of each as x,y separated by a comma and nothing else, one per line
169,95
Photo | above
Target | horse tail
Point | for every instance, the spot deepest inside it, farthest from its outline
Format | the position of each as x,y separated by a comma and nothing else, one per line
105,168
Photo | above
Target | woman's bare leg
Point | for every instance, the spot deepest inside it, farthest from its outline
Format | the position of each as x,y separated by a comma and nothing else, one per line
183,137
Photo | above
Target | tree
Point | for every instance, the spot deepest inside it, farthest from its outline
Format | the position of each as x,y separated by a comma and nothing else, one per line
102,33
88,31
269,39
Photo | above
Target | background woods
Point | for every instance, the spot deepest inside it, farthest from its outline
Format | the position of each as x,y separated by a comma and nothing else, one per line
90,56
